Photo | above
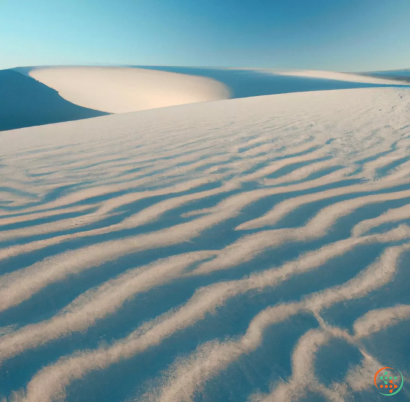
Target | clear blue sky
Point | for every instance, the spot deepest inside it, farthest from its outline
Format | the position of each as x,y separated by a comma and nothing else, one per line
342,35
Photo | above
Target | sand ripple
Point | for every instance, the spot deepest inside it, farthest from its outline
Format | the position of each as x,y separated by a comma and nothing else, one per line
253,249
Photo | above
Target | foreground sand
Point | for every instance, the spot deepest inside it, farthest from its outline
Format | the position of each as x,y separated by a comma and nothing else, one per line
250,249
121,90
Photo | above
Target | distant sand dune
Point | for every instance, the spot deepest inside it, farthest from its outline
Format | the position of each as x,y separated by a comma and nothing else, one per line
351,77
222,249
121,90
42,95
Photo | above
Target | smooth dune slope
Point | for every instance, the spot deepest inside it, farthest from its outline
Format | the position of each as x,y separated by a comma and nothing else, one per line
121,90
241,250
350,77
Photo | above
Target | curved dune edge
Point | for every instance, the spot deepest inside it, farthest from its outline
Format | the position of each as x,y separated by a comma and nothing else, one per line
122,90
332,75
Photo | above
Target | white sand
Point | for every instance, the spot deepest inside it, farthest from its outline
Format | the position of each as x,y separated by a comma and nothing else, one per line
121,90
331,75
172,158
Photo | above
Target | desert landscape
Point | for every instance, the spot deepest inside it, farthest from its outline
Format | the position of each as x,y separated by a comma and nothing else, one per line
204,201
178,260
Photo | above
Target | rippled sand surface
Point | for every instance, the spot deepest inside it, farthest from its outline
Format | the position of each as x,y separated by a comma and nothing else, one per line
238,250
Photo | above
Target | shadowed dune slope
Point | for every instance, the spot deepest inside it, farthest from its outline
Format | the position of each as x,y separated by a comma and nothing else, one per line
25,102
398,75
241,250
247,82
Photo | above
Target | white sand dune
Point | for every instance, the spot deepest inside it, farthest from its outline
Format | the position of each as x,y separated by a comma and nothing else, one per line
43,95
207,251
333,75
121,90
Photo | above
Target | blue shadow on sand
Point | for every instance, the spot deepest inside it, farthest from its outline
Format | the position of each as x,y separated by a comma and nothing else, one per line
25,102
244,83
400,75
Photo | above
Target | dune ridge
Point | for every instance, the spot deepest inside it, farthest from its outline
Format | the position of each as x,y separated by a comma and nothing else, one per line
339,76
122,90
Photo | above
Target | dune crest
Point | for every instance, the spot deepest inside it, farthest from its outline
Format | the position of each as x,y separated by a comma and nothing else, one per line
122,90
333,75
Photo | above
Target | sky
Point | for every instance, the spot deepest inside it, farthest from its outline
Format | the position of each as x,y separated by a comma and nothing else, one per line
338,35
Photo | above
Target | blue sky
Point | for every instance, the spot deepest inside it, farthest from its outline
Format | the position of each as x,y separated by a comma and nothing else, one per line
341,35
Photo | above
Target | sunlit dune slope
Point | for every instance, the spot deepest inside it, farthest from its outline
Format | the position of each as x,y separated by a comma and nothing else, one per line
241,250
120,90
333,75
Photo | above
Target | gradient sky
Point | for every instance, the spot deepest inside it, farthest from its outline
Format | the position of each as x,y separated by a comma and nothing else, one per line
341,35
